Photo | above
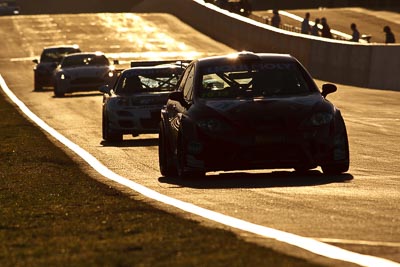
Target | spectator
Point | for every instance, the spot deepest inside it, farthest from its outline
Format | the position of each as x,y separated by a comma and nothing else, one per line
315,29
326,30
355,37
276,19
389,35
305,25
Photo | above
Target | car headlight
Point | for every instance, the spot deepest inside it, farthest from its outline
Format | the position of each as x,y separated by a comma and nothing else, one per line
110,74
63,76
214,126
321,118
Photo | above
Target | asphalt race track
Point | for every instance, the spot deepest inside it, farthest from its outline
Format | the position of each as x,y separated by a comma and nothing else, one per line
358,211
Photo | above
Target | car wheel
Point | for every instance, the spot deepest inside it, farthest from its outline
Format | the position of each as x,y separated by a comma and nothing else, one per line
336,168
108,135
165,158
57,92
37,87
181,162
342,165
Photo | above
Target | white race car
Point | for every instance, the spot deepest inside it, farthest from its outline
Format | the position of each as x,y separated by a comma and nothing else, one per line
83,72
133,105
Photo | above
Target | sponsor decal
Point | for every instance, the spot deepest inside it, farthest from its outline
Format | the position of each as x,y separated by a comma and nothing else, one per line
153,72
249,67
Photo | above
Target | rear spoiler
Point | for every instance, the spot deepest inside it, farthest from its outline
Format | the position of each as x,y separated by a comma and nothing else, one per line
181,63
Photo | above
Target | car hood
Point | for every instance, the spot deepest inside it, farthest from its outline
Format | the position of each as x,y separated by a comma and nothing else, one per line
285,112
140,99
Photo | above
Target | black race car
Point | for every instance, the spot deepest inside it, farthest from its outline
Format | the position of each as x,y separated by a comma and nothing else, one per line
9,7
250,111
49,59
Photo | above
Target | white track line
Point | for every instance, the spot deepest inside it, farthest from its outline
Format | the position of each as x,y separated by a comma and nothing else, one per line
360,242
305,243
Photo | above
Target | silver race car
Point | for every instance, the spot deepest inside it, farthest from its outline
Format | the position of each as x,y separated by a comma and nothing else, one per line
83,72
133,105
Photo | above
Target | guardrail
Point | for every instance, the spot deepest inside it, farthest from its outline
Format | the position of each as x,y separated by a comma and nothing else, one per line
288,27
358,64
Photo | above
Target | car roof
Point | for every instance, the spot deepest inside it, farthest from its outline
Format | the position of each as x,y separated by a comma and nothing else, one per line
12,2
153,69
86,54
245,55
62,46
159,67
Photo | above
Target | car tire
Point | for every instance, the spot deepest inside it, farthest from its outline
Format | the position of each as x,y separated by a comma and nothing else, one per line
37,87
342,165
181,162
57,92
165,158
335,169
108,135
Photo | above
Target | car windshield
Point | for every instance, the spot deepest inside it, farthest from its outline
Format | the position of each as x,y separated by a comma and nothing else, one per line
148,80
84,60
56,54
8,4
255,80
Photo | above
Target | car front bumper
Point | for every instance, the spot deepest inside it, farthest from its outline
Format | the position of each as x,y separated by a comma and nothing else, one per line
302,150
84,84
134,120
44,78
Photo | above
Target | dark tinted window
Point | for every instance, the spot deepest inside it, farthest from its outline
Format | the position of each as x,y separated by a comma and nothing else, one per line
148,80
256,79
56,54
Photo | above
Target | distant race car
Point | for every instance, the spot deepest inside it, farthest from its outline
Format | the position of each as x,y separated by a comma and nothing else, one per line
9,7
49,59
250,111
133,105
83,72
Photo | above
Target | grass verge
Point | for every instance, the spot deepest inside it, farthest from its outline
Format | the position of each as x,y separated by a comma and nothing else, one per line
54,214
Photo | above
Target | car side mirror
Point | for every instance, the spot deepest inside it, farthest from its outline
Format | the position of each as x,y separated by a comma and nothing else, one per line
328,88
35,61
105,89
